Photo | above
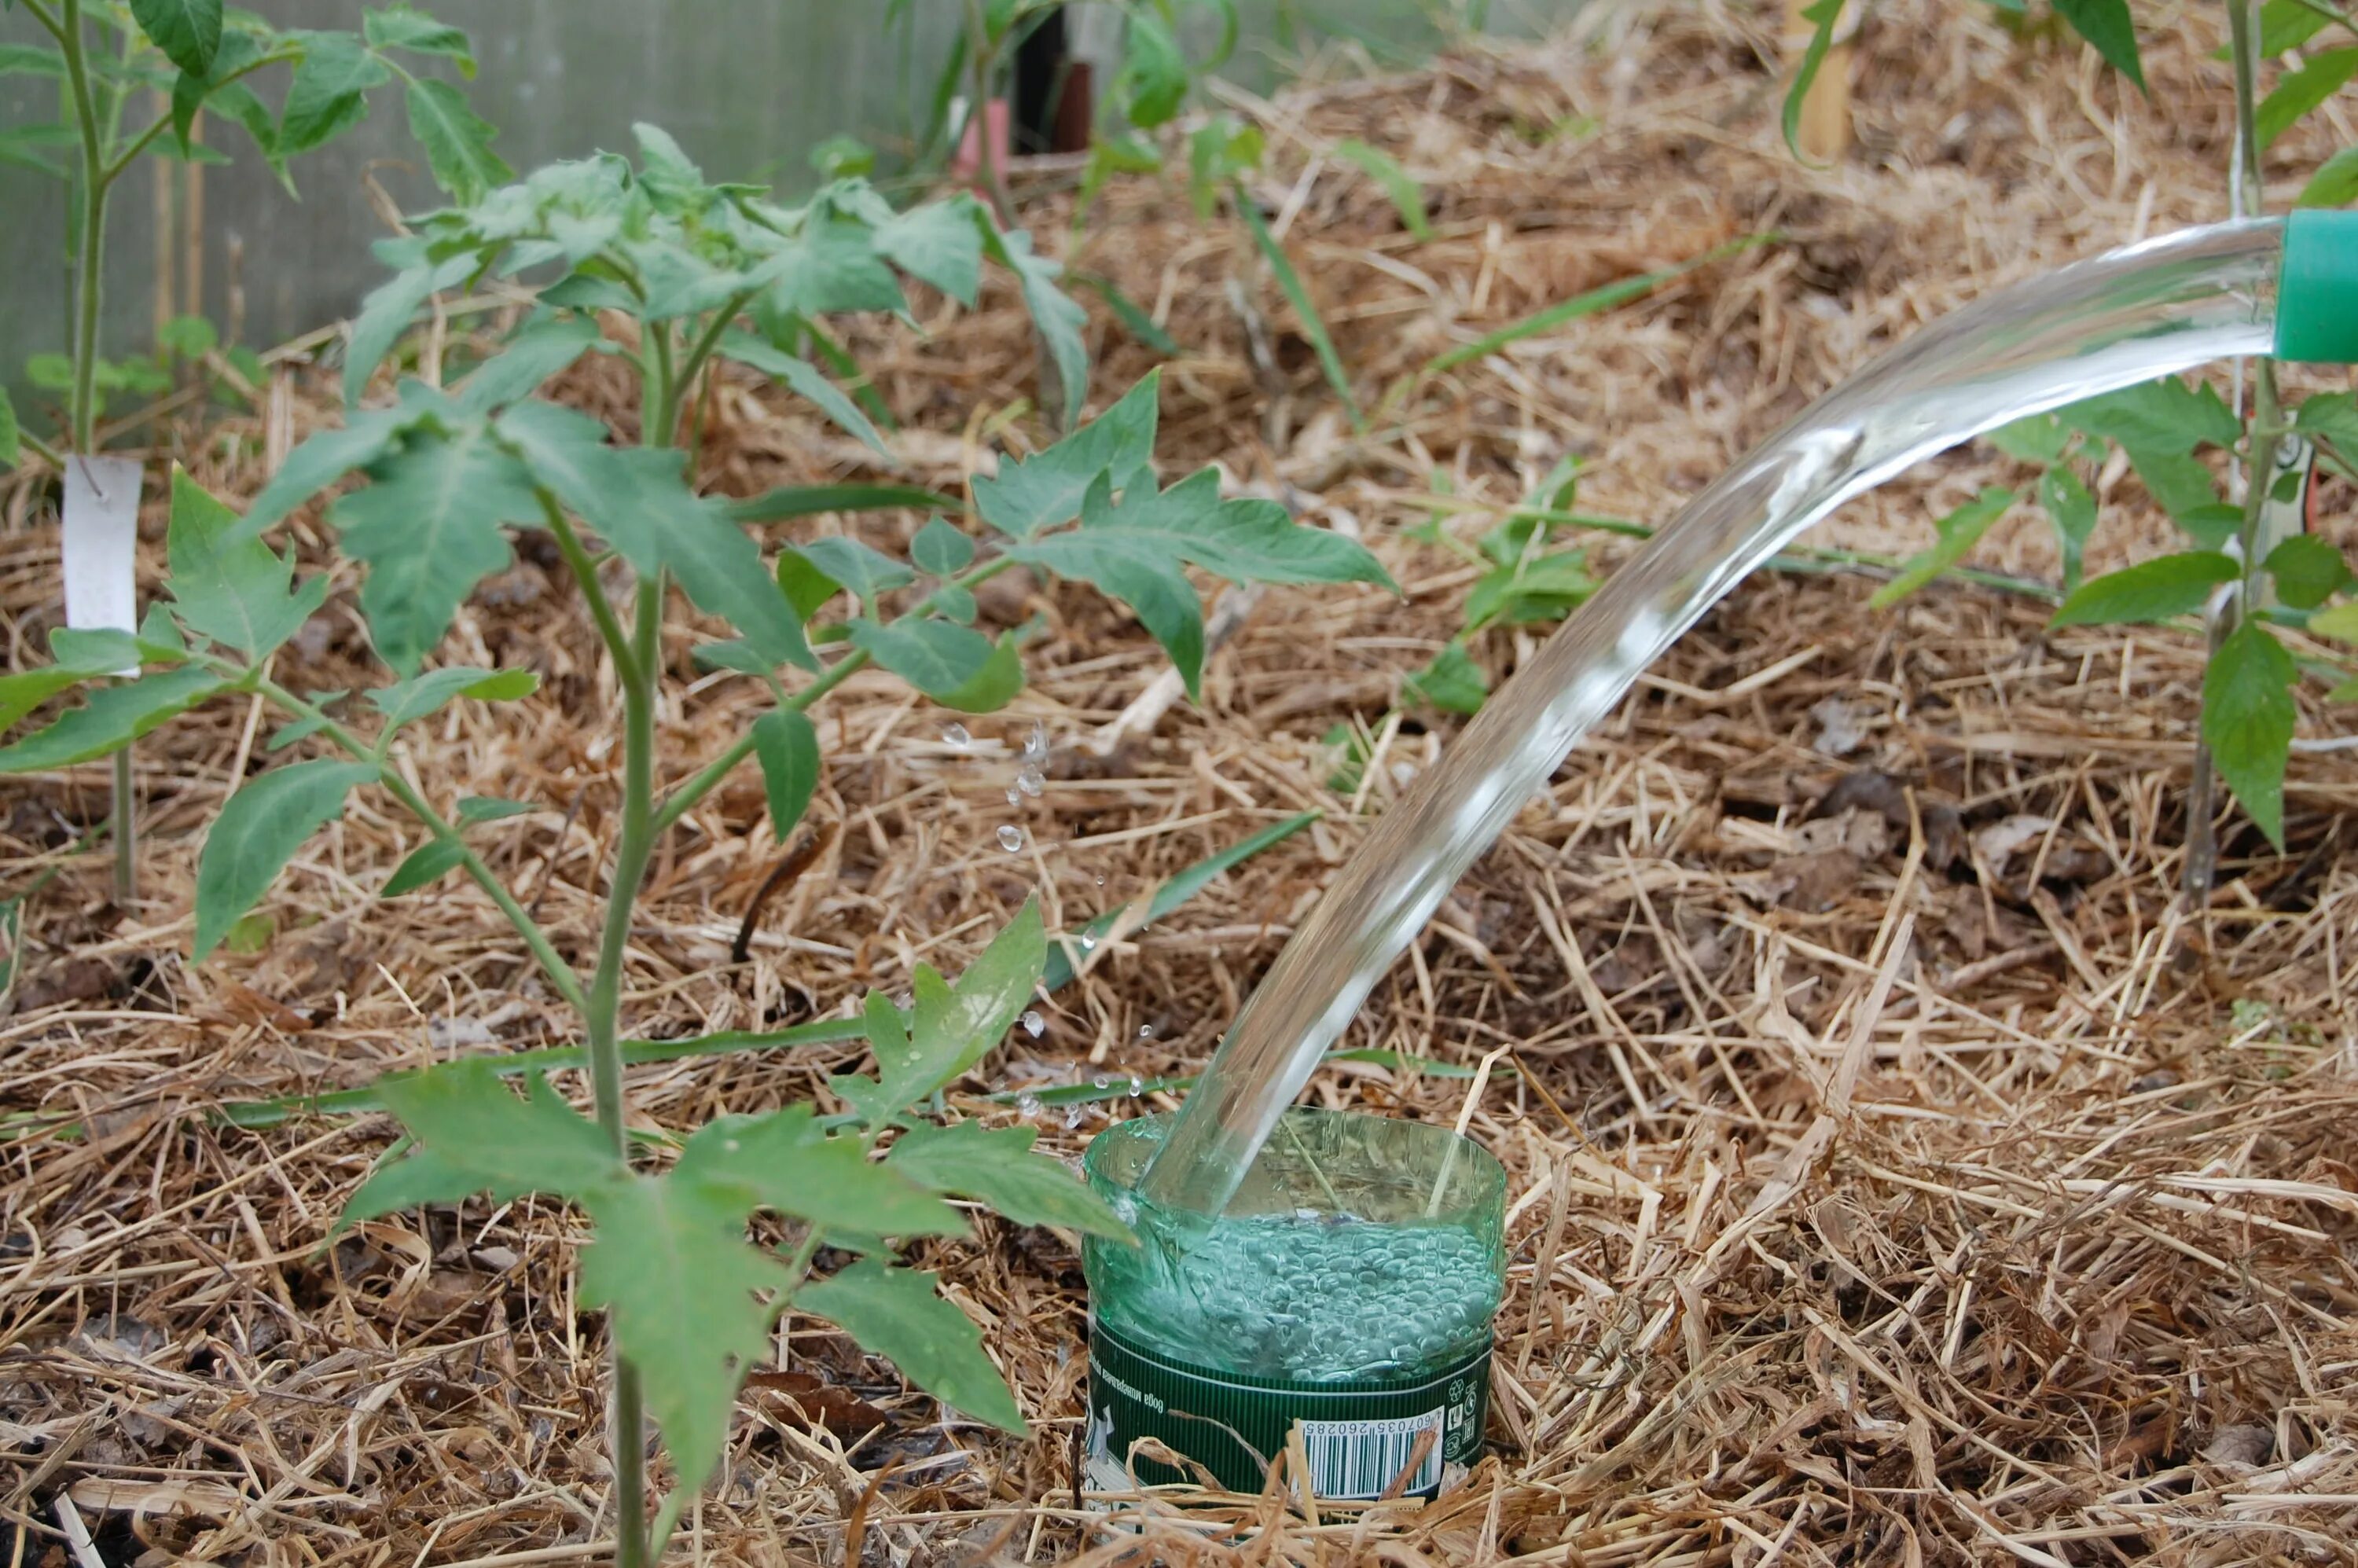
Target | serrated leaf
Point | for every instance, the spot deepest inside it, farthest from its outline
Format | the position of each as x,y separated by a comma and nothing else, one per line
941,550
848,564
226,583
2164,418
539,351
430,530
953,1027
457,141
188,31
1407,196
639,500
113,717
401,26
465,1112
1247,540
258,829
1453,683
2297,93
895,1314
1148,581
999,1168
1057,318
417,1178
2308,571
2333,416
937,243
423,866
326,97
956,666
2040,438
421,696
681,1287
2072,512
2247,722
787,747
1954,535
1033,493
785,1162
491,808
2158,589
803,380
325,457
2107,24
830,267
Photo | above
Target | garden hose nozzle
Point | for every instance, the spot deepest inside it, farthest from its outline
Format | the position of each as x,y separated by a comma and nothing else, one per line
2317,288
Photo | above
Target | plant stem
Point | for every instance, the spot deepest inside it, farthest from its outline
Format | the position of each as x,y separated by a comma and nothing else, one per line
559,973
584,574
683,798
630,1468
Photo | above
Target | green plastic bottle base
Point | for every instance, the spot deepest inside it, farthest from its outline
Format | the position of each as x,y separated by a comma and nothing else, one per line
2317,288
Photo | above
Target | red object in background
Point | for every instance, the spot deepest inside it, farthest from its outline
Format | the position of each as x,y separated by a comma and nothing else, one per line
1073,110
967,166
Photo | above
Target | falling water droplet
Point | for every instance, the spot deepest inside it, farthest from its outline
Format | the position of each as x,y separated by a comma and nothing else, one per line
1100,881
1146,1031
1014,795
1027,1104
1036,744
1031,783
1010,837
957,736
1034,1025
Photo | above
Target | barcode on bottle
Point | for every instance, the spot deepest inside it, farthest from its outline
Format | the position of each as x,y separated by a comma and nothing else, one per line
1363,1459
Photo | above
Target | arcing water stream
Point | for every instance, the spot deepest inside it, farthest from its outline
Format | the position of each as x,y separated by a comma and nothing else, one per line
2165,305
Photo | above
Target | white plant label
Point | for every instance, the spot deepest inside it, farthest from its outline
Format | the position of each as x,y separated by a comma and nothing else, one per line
101,537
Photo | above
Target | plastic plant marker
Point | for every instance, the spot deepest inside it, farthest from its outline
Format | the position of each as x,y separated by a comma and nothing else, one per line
101,540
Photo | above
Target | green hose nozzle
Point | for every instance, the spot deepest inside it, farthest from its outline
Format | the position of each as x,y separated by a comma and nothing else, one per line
2317,288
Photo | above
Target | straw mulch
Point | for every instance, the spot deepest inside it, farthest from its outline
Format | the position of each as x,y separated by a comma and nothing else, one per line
1901,1174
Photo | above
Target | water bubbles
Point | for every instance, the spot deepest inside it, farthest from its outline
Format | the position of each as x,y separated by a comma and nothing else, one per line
1137,1085
956,737
1014,795
1034,1024
1027,1104
1010,837
1101,1082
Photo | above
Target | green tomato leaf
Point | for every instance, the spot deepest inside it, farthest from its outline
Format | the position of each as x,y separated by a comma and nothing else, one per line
787,747
1954,535
401,26
803,380
2158,589
112,718
423,866
2335,183
1030,494
784,1162
2247,722
2040,438
421,696
830,267
1154,80
956,666
226,583
258,830
841,562
2308,571
367,435
1241,540
1057,317
417,1179
430,530
457,141
941,550
326,97
2165,417
386,315
895,1314
31,59
1453,683
2319,77
938,244
464,1113
539,350
2333,416
998,1168
639,500
1151,582
682,1290
79,657
188,31
2107,24
1407,195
